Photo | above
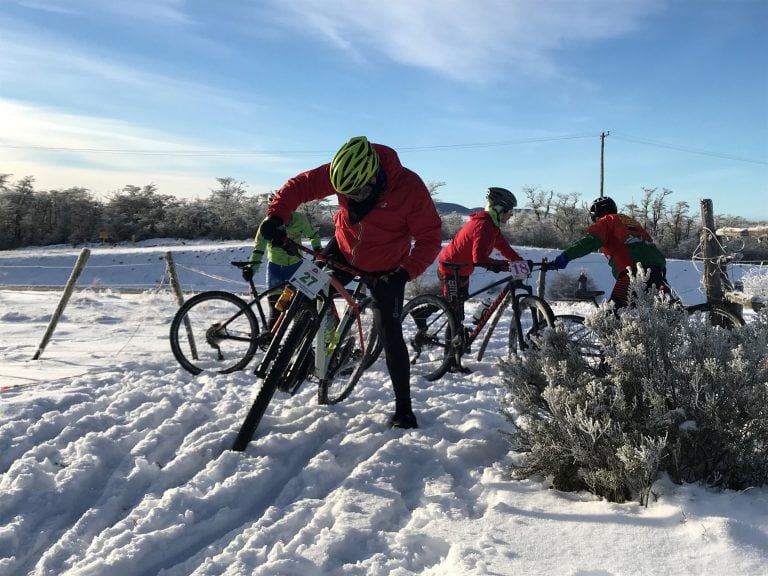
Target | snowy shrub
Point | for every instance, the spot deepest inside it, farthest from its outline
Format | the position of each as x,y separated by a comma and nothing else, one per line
678,396
756,282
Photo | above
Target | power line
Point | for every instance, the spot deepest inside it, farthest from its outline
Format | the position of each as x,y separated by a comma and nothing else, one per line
689,149
167,152
244,152
433,148
495,144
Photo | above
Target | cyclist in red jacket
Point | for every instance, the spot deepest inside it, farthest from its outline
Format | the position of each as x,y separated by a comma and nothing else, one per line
474,243
626,244
386,224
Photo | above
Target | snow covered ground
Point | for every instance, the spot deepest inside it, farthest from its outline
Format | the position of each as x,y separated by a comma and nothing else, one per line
115,461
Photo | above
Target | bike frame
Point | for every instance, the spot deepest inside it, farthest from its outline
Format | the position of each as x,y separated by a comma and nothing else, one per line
351,311
325,305
513,284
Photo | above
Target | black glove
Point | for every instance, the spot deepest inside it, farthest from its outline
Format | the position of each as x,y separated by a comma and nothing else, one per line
498,266
396,277
272,230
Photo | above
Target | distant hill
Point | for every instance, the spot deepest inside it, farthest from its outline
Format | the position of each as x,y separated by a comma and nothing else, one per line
445,208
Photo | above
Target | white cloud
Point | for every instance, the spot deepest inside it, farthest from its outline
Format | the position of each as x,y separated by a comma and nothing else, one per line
104,154
156,11
466,39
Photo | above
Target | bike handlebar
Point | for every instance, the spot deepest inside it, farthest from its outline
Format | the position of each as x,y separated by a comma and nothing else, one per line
317,255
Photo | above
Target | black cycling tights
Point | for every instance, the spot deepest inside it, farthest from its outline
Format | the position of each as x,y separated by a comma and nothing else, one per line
388,306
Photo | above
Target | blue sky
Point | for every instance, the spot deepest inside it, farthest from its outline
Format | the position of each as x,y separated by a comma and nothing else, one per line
473,93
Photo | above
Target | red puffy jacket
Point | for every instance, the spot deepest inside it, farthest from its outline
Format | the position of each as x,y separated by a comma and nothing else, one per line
474,243
402,230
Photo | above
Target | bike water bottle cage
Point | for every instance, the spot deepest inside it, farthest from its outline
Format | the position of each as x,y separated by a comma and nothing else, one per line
284,299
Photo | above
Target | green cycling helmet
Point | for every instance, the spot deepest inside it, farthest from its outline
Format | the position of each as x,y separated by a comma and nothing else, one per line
353,165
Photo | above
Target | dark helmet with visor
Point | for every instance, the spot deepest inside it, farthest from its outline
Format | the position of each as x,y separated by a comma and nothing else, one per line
602,206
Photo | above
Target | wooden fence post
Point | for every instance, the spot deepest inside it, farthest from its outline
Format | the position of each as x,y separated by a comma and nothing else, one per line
712,250
176,285
713,271
542,279
70,286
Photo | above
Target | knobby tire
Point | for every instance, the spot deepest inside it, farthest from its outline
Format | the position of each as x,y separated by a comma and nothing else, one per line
284,369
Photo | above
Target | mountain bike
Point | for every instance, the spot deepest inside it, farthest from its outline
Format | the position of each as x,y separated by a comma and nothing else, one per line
325,332
219,331
437,339
714,313
589,345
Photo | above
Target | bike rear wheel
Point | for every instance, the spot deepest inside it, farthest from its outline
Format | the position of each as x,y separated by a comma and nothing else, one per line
716,315
535,316
289,368
347,362
431,334
214,331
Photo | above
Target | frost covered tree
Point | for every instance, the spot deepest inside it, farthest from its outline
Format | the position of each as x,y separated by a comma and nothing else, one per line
676,395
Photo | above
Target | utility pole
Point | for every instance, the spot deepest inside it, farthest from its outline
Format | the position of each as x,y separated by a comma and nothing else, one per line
602,156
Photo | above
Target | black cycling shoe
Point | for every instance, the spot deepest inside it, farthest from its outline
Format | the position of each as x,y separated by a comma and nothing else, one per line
454,368
403,420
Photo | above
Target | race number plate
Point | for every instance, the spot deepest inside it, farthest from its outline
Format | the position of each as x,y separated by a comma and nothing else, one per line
519,269
310,279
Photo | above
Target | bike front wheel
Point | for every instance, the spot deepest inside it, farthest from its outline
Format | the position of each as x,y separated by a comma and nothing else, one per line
289,368
535,316
214,331
431,334
348,361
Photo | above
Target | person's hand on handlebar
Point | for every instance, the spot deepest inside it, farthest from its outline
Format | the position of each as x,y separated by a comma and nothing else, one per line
272,229
559,263
497,266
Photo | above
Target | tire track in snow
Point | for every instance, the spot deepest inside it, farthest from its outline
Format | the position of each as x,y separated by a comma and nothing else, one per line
371,470
110,447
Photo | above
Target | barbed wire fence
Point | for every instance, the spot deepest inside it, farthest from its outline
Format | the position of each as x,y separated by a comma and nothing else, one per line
105,305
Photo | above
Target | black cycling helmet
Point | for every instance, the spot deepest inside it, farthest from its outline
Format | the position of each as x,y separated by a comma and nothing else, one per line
501,198
602,206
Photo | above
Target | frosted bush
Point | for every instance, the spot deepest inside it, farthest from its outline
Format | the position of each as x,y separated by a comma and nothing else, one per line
677,396
756,282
